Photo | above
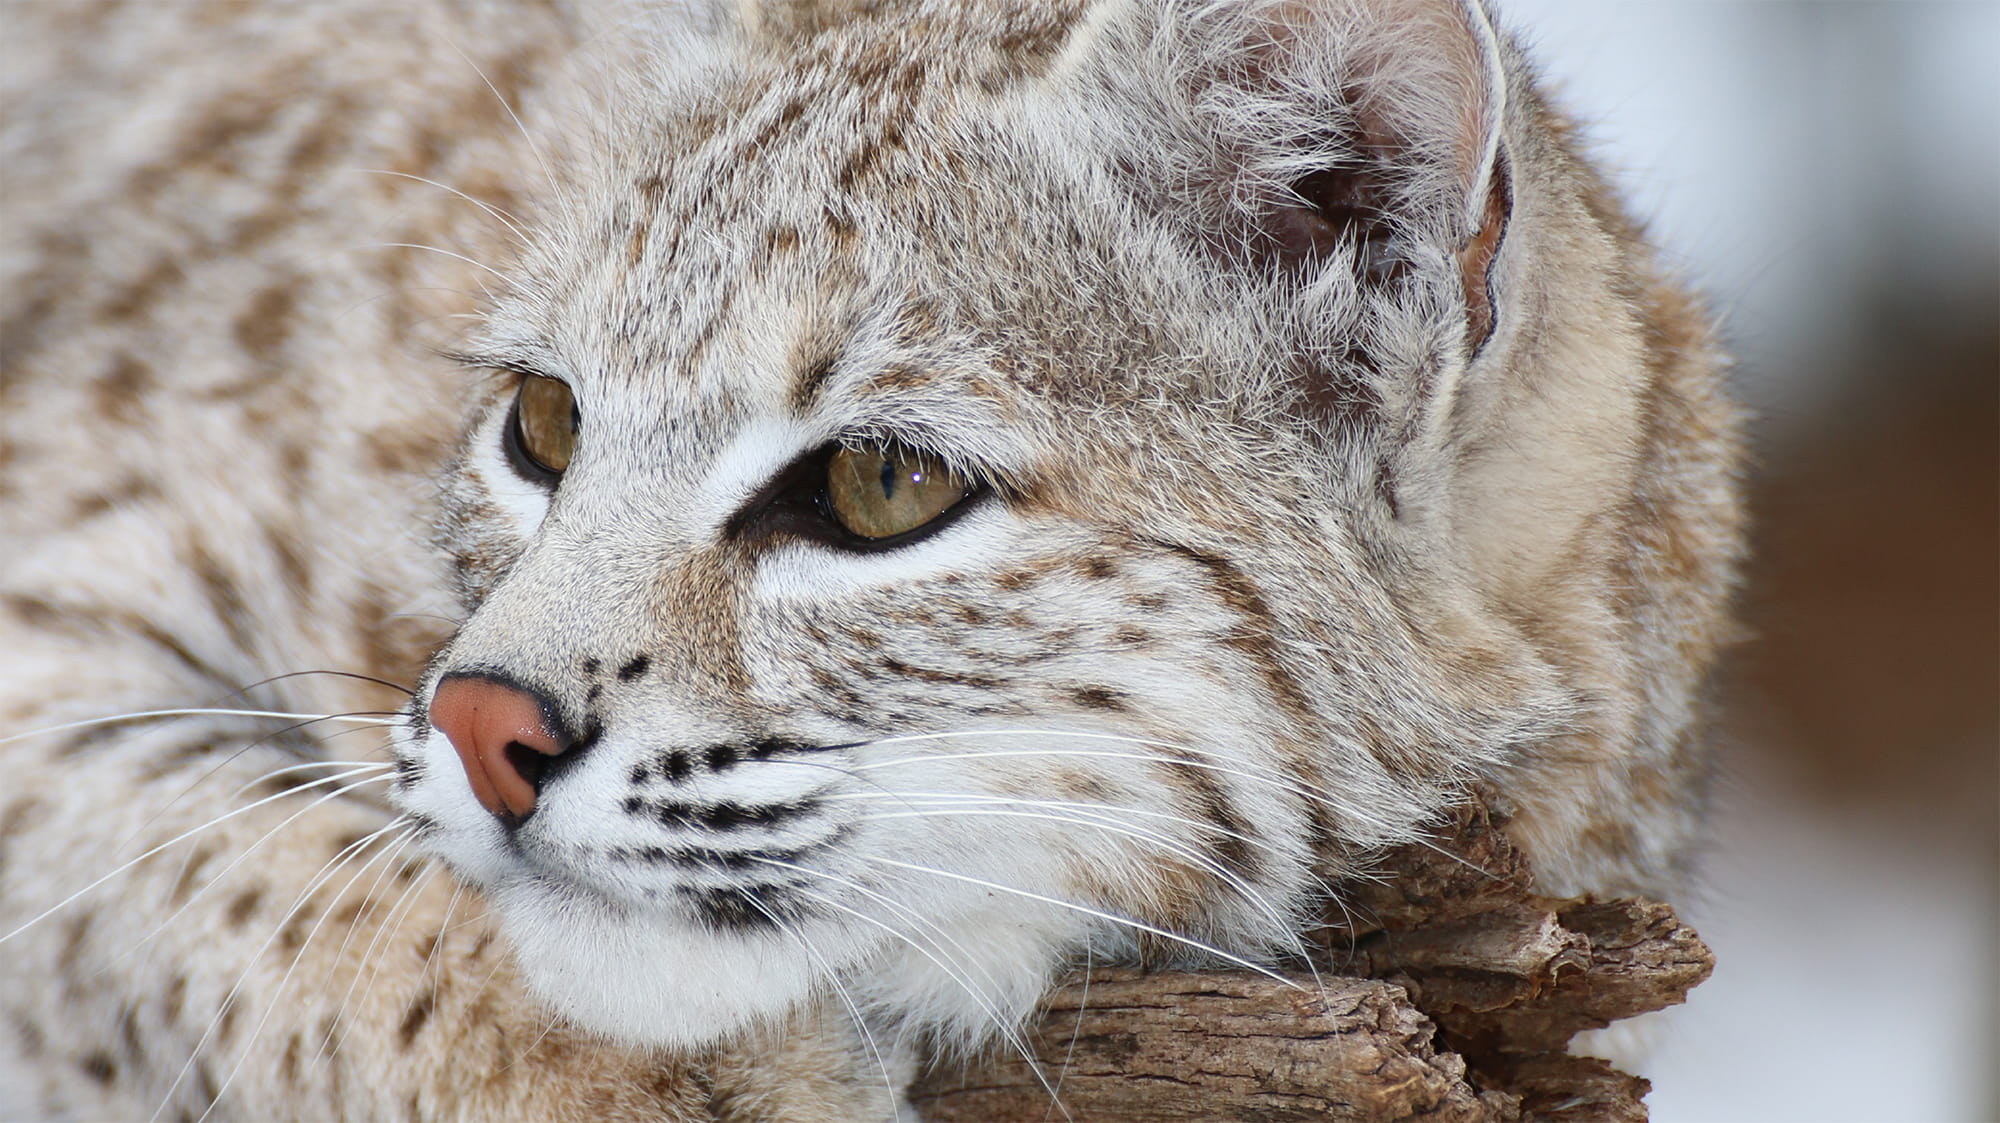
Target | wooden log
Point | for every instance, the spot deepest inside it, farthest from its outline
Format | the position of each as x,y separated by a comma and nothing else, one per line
1448,991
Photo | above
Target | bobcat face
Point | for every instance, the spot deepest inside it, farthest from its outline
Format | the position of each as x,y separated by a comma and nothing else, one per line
901,546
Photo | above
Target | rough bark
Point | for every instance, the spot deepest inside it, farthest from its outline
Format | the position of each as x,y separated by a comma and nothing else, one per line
1454,1000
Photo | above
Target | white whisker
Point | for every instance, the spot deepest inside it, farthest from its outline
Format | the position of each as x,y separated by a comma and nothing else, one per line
285,980
1003,1025
333,866
146,715
1215,869
267,836
177,839
494,212
1112,918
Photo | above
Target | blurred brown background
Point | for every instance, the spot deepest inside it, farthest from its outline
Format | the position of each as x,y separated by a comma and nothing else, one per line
1830,174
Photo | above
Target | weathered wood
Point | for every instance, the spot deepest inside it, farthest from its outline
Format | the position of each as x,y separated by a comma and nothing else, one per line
1458,990
1203,1045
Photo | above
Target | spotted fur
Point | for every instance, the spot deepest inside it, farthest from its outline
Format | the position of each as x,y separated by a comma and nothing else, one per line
1337,445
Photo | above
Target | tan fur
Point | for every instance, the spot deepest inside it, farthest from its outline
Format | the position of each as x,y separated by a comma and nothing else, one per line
1276,557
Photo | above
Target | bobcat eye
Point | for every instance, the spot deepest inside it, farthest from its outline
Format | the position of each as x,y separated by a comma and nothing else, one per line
545,424
876,492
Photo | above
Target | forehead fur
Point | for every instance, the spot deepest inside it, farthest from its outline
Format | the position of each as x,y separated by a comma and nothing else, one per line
905,225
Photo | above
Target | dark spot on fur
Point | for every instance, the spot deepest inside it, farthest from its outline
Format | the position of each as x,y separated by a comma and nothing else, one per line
33,1043
264,327
242,906
1014,580
414,1019
129,1038
99,1066
75,931
1099,698
720,757
679,766
1131,635
120,390
635,668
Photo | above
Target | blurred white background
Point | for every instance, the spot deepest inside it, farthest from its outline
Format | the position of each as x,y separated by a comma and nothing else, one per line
1829,173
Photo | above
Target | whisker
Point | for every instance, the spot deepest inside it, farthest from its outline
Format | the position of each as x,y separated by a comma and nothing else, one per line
1005,1027
267,836
547,173
292,968
1212,867
495,212
310,766
328,1046
326,873
826,970
446,253
391,927
179,838
248,687
147,715
1113,918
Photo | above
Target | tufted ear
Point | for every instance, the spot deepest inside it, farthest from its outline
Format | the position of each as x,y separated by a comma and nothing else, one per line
1423,94
1324,135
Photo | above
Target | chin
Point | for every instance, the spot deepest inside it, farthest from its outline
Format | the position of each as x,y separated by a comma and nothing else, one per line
651,978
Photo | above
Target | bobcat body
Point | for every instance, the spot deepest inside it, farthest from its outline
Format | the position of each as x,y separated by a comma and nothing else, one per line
1301,438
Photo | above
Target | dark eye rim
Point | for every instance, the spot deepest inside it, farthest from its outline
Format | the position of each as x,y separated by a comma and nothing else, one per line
518,457
796,504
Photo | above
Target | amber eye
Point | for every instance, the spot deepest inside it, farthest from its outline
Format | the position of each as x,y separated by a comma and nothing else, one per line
546,422
878,492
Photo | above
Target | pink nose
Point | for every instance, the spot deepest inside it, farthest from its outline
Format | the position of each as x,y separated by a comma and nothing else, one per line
502,738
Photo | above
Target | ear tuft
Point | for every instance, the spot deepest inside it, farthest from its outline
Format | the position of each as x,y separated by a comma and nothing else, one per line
1357,136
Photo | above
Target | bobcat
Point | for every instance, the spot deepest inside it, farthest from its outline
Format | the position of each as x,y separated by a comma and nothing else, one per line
928,491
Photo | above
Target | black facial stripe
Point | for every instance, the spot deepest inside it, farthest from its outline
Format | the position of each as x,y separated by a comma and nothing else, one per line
722,816
711,858
676,766
749,908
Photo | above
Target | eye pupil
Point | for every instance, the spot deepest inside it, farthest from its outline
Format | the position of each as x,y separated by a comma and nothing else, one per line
880,492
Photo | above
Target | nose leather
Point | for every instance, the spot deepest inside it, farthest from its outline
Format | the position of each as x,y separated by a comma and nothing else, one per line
500,732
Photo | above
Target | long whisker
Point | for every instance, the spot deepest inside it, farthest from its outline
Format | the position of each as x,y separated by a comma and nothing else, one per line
333,866
284,981
826,970
370,903
248,687
147,715
212,882
1269,777
179,838
446,253
1112,918
390,928
309,766
1177,849
547,173
1003,1024
495,212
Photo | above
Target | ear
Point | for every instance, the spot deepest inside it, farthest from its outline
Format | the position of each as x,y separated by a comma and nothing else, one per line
1420,99
1321,136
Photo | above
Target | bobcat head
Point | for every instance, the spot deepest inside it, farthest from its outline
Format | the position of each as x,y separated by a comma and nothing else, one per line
967,485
